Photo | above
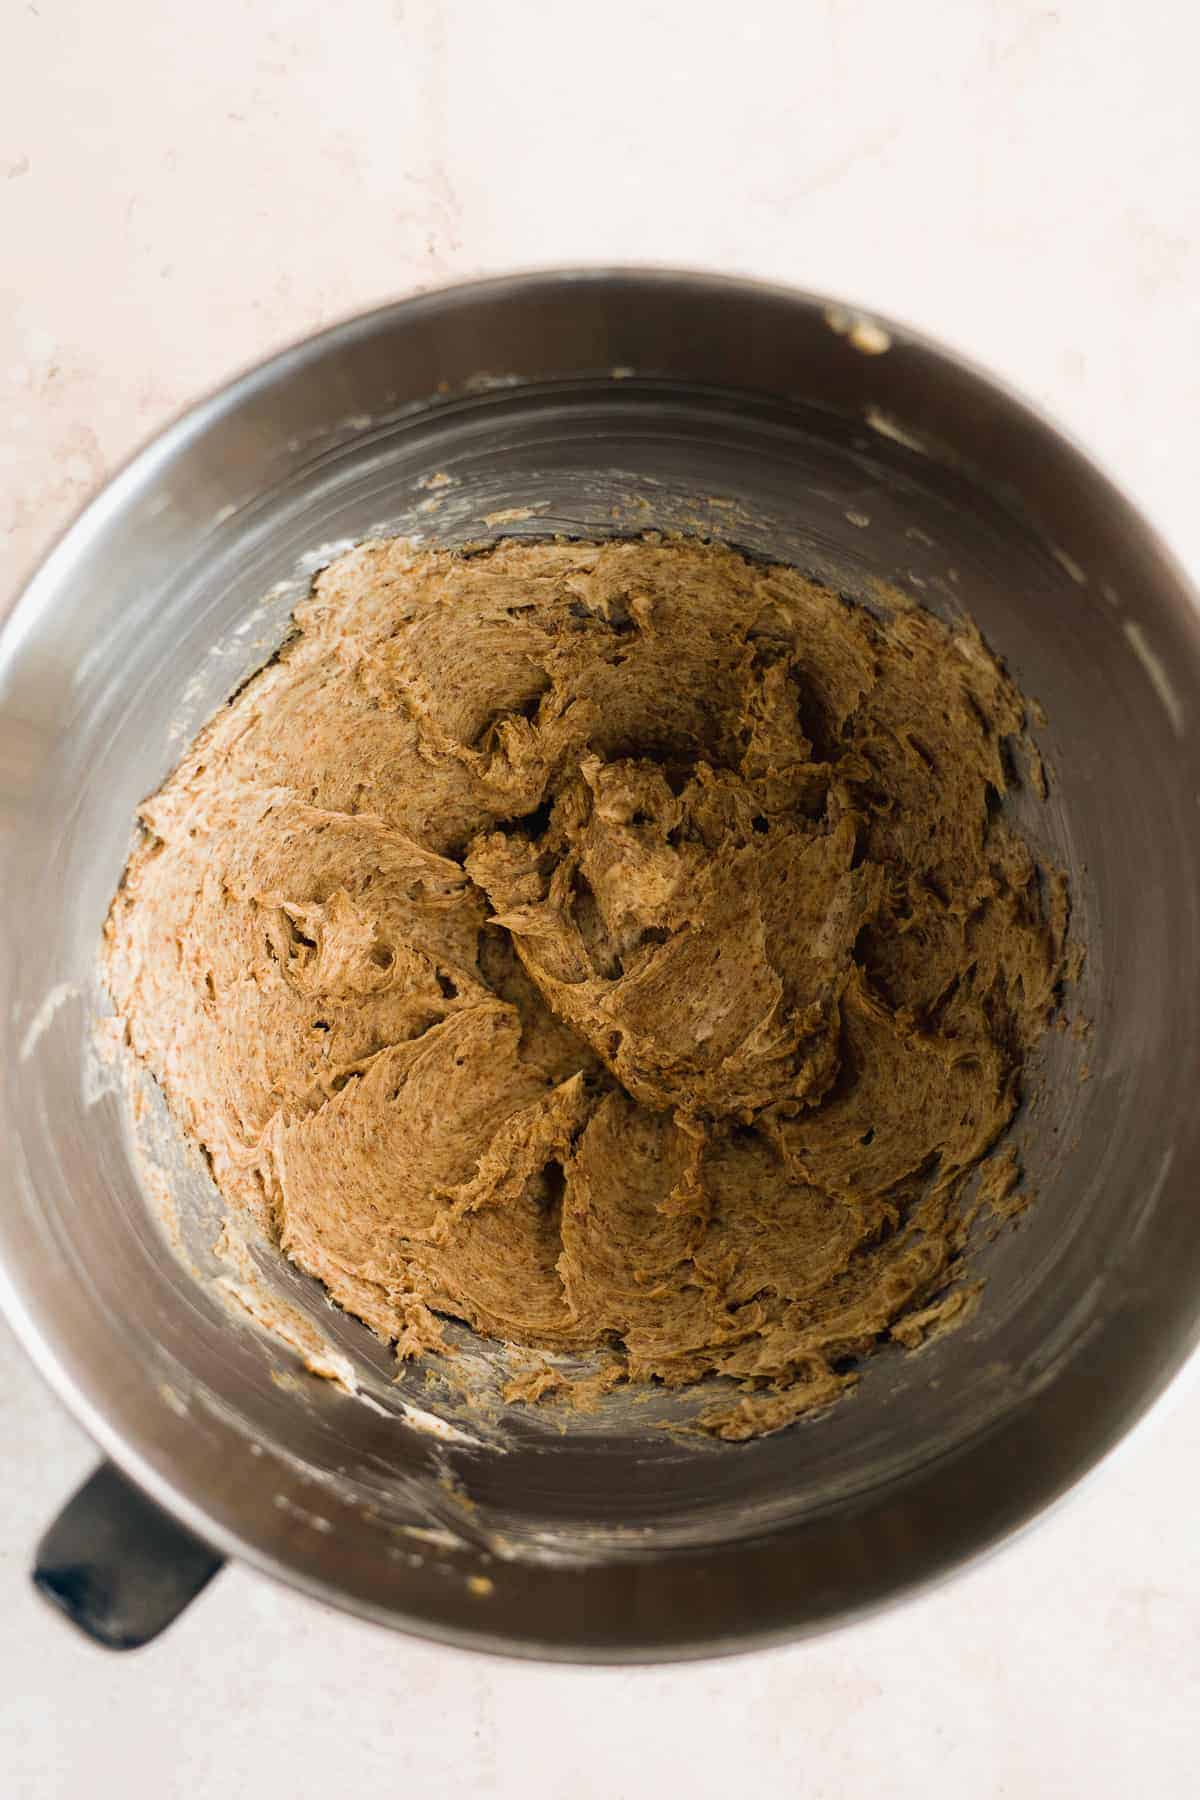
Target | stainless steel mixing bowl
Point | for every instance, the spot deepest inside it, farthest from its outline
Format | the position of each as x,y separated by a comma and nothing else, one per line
599,401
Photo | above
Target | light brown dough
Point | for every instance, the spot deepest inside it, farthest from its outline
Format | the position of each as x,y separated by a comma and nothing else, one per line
607,945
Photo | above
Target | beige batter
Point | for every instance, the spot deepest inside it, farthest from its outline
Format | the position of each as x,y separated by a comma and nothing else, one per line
610,946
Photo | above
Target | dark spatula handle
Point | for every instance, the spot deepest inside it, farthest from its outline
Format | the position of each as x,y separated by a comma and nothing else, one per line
117,1565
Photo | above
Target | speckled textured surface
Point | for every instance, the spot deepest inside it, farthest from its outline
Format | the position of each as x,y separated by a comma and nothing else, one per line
179,193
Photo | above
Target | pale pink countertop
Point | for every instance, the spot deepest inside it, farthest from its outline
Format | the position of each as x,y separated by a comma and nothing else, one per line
183,188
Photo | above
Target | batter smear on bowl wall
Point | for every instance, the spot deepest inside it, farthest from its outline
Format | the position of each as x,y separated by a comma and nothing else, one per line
618,947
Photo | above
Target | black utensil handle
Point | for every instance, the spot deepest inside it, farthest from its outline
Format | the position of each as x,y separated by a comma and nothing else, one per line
117,1565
